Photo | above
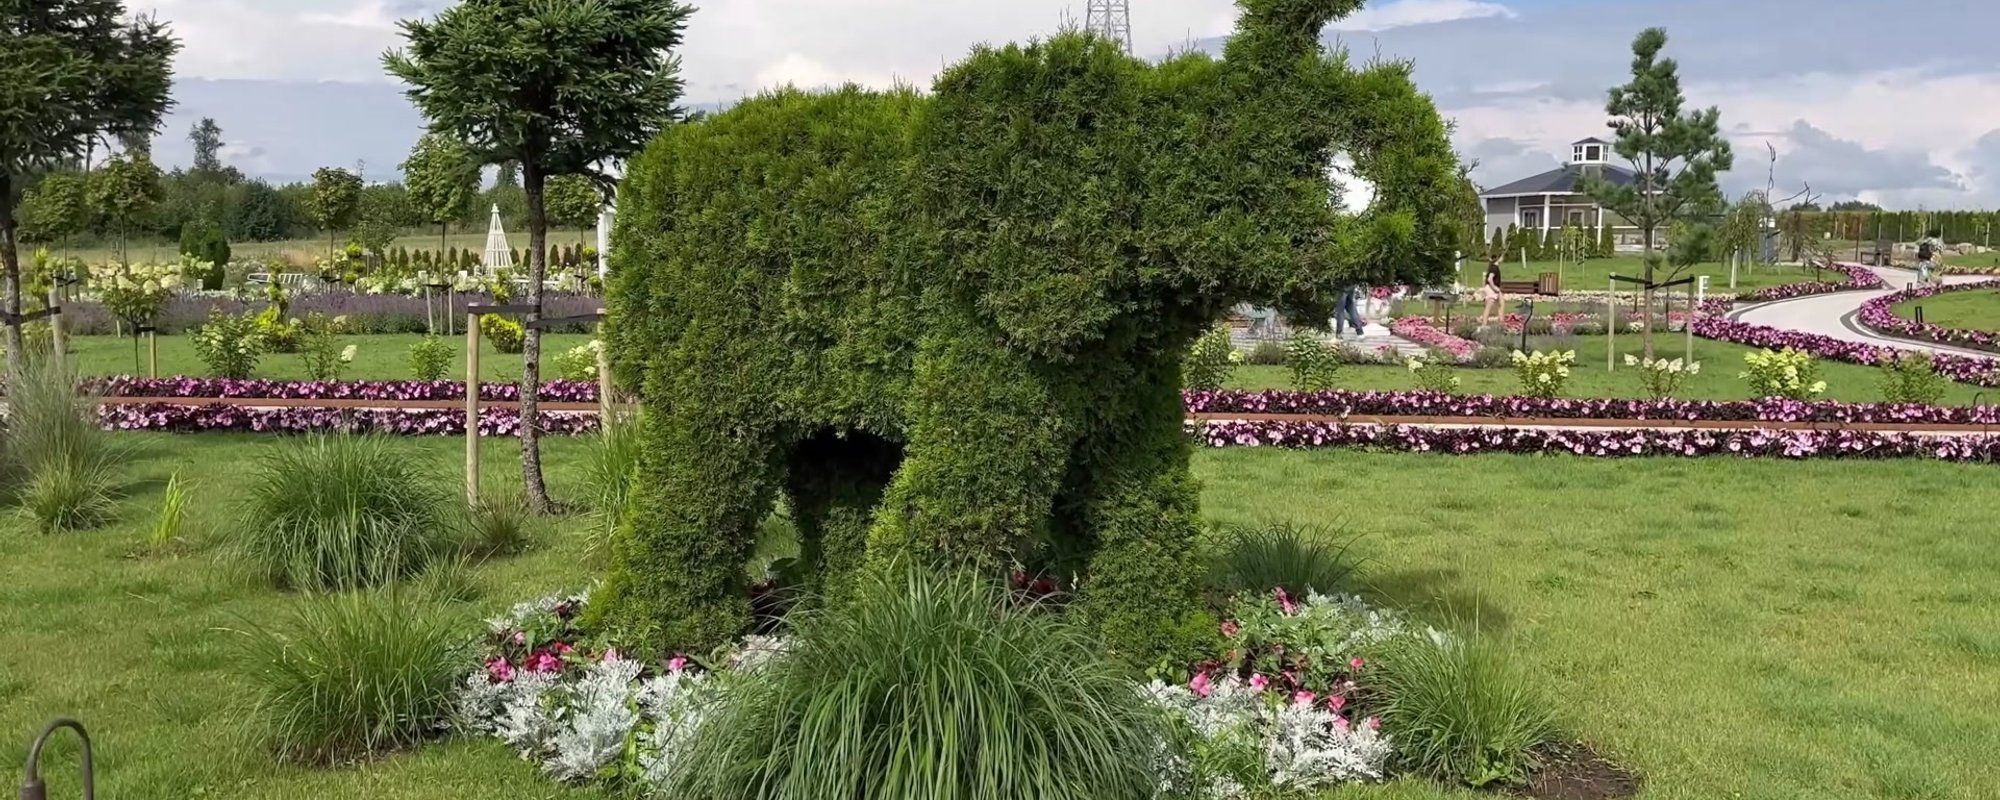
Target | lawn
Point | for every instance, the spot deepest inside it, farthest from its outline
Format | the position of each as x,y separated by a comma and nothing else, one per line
1724,639
1594,275
1970,310
1721,362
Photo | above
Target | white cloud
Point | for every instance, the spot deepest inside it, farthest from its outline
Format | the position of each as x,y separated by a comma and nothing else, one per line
805,73
1403,13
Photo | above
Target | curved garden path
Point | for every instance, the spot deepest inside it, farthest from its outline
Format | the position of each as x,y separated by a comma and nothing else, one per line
1833,315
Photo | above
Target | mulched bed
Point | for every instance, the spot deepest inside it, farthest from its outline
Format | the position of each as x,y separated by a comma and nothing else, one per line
1576,772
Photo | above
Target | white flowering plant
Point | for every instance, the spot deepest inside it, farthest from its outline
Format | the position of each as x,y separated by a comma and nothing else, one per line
579,363
1543,374
135,293
1663,378
1789,373
1433,375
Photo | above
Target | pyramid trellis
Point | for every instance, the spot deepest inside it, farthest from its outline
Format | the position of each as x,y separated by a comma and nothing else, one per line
498,254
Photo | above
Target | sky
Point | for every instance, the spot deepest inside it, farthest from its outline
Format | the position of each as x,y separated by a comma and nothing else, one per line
1890,103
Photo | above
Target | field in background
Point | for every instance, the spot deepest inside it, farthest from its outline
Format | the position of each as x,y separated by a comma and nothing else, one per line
160,250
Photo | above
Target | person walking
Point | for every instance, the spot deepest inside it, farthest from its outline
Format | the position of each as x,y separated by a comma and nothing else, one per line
1347,311
1929,252
1490,294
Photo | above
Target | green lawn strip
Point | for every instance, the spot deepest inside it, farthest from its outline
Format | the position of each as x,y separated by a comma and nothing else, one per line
1731,628
1970,310
1721,363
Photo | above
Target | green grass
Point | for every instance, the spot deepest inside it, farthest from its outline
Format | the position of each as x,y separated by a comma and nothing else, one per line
1764,630
1970,310
376,357
1595,274
1721,362
1974,259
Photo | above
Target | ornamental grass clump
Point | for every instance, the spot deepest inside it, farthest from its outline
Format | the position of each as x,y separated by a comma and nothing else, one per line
1258,559
1461,712
1543,374
1663,378
335,512
921,685
67,464
346,676
1789,373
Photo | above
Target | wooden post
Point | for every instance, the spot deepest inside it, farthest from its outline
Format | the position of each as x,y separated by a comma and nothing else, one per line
471,409
55,323
603,381
153,353
1687,325
1611,327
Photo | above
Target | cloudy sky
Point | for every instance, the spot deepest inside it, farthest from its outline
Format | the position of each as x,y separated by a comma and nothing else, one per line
1893,103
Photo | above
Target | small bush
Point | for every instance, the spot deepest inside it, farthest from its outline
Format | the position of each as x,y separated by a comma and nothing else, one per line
319,348
976,699
1300,560
431,359
507,335
229,344
496,526
1662,378
1912,378
1461,712
278,334
66,496
579,363
1491,358
1313,362
1790,373
1267,353
1210,361
351,675
1543,374
1433,375
50,423
332,512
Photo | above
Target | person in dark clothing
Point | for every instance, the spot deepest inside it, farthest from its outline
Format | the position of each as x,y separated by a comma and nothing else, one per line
1347,313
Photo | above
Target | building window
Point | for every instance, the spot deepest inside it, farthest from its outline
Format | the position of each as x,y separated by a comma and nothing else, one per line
1531,219
1576,218
1593,153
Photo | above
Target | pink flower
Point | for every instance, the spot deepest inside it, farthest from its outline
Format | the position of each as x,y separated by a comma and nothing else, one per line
1336,702
563,648
1356,662
544,661
1230,628
498,670
1258,682
1285,601
1303,698
520,637
1201,685
1373,723
611,655
1340,724
677,663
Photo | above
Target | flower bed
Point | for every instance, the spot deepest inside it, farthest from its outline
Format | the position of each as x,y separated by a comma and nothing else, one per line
1879,314
1953,269
1858,277
182,386
1421,331
1346,403
1608,444
218,417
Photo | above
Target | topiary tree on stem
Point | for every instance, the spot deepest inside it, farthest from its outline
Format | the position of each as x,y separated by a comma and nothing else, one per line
560,88
949,327
443,180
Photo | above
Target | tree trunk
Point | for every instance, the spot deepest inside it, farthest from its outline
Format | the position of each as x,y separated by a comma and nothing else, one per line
1646,322
531,343
11,257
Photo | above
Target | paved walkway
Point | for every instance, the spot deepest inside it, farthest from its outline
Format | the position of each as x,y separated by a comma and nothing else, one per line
1834,314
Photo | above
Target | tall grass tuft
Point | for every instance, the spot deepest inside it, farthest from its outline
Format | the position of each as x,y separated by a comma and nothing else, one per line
350,675
333,512
166,528
609,469
1297,558
66,461
496,526
929,686
1461,711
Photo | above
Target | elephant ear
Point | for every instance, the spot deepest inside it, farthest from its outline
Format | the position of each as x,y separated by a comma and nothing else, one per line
1026,176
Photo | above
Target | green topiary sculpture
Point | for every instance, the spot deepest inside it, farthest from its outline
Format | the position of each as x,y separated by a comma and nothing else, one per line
949,327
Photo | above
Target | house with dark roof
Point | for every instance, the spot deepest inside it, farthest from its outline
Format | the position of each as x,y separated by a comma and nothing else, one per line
1554,199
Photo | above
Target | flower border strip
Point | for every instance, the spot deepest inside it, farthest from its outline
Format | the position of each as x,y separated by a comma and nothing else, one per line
1598,444
1421,331
1879,315
1432,404
221,417
183,386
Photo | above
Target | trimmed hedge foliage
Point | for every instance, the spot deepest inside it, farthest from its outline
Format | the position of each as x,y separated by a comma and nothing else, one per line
962,314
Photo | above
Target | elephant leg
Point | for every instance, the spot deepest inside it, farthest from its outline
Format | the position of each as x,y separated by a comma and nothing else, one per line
834,484
677,581
1140,506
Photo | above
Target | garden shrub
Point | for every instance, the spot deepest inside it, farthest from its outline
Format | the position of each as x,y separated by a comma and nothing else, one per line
1461,712
229,344
1792,374
1302,560
332,512
431,358
978,698
1313,362
579,363
1210,361
66,462
1912,378
1662,378
320,350
1267,353
1433,374
69,496
355,674
1543,374
496,526
949,336
506,335
279,335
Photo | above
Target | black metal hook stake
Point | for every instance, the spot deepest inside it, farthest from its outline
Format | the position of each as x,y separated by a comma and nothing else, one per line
32,787
1527,316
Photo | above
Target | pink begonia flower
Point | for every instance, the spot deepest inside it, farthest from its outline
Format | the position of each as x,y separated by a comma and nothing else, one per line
1258,682
1303,698
544,661
1337,702
1356,662
1285,601
499,670
563,648
611,655
677,663
1373,723
520,637
1340,724
1230,628
1201,685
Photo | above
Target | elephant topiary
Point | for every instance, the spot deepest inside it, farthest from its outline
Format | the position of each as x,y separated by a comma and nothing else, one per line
949,327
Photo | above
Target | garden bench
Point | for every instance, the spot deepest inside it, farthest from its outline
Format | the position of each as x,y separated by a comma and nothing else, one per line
1882,255
1548,284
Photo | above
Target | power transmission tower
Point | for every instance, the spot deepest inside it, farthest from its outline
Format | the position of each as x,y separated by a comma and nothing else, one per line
1111,19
